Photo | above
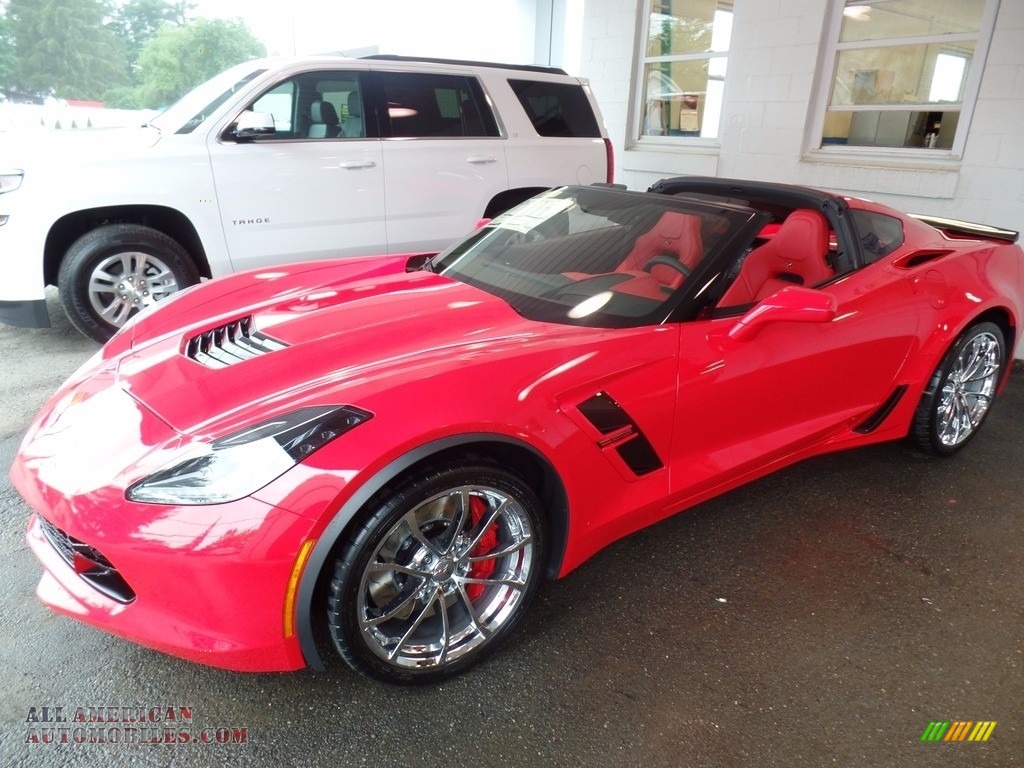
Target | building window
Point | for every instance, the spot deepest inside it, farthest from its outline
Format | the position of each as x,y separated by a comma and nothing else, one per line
905,73
686,46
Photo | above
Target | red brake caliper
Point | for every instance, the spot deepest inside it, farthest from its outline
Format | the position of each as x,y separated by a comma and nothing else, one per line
484,568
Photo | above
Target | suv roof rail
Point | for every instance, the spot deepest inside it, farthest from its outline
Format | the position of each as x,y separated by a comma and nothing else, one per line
465,62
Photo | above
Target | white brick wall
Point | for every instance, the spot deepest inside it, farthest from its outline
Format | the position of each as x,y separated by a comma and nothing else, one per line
769,97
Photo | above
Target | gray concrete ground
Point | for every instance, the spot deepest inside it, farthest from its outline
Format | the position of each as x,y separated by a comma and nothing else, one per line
822,616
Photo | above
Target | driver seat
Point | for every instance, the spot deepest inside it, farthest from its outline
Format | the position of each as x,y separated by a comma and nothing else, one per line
676,235
794,256
324,121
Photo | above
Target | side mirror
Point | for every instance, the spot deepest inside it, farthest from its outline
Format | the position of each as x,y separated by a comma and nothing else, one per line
251,125
790,305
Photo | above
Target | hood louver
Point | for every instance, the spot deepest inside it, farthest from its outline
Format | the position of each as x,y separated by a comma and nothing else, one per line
230,344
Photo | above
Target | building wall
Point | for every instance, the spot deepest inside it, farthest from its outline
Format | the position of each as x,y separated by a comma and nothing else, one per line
775,51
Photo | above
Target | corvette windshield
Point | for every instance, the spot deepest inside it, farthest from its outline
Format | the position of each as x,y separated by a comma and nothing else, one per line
593,255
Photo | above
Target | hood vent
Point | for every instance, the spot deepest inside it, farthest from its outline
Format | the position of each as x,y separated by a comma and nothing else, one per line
230,344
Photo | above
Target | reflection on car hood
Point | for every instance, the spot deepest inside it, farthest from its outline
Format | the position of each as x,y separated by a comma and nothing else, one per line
348,337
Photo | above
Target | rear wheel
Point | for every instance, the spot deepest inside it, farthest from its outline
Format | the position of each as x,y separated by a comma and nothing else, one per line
960,392
116,270
441,572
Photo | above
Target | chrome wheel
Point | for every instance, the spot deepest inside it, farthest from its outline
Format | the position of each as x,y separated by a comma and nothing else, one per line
444,567
967,393
446,576
960,392
127,282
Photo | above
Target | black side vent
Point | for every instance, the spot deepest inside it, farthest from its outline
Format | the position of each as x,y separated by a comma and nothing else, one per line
230,344
874,421
90,565
621,433
921,257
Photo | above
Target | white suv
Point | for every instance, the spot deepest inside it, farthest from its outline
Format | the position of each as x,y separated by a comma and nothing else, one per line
283,160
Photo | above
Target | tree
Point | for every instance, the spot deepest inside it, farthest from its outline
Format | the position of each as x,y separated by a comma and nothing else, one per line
64,49
137,22
8,61
179,58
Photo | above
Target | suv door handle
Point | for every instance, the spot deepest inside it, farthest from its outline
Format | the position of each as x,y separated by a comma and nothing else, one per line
481,159
357,164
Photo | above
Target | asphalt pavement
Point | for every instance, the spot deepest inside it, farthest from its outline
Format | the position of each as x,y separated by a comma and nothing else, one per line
826,615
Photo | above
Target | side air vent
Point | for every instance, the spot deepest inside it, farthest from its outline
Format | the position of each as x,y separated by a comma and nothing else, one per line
230,344
620,433
918,258
874,420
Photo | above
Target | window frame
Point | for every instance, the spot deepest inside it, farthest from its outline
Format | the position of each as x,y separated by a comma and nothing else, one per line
829,59
636,137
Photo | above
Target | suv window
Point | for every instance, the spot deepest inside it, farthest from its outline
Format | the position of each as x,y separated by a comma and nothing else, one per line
557,109
315,105
431,105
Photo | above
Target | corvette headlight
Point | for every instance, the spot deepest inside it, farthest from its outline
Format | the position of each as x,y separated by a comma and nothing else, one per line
240,464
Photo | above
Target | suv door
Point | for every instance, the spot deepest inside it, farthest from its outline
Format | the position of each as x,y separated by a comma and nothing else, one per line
444,158
315,187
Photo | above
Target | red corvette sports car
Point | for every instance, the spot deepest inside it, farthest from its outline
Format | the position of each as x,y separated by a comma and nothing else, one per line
386,456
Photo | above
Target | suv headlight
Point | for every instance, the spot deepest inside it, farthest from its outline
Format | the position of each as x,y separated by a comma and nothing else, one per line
238,465
10,180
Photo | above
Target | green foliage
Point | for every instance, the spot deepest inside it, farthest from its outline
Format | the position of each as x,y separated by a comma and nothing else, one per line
137,22
8,61
129,53
127,97
179,58
62,47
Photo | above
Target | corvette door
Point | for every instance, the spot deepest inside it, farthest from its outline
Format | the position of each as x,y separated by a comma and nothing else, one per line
750,397
314,189
443,157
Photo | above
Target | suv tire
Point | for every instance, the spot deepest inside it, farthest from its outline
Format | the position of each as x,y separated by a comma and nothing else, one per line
112,272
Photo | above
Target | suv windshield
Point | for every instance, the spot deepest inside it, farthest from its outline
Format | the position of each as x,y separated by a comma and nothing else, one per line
188,113
592,255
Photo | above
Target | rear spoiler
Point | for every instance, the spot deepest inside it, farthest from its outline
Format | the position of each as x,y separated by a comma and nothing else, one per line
956,227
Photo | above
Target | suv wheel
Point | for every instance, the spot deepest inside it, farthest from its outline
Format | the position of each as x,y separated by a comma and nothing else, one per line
114,271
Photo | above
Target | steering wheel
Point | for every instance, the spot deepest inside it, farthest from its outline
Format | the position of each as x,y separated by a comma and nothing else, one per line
668,261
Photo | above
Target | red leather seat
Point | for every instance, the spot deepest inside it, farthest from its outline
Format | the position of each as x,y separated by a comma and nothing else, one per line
676,235
794,256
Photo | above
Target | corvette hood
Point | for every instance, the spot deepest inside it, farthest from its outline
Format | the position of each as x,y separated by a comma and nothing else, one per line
341,342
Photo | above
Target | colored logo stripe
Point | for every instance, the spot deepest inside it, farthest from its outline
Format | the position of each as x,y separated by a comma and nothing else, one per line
958,730
982,731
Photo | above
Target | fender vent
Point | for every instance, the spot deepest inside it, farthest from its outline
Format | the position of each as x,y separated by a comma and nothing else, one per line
230,344
621,433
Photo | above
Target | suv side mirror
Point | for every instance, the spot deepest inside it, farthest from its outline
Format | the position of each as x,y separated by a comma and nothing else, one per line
251,125
792,305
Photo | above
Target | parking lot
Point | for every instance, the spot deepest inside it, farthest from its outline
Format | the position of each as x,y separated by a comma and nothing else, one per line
822,616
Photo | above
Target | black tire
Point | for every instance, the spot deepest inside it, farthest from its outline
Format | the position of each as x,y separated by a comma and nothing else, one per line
959,394
410,608
110,273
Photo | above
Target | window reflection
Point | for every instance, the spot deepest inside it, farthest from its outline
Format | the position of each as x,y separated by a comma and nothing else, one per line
901,70
684,68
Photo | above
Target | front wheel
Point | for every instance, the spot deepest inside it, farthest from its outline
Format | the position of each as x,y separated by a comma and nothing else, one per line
960,392
443,569
114,271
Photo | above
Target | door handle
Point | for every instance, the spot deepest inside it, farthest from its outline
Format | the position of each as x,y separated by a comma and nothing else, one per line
348,164
481,159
